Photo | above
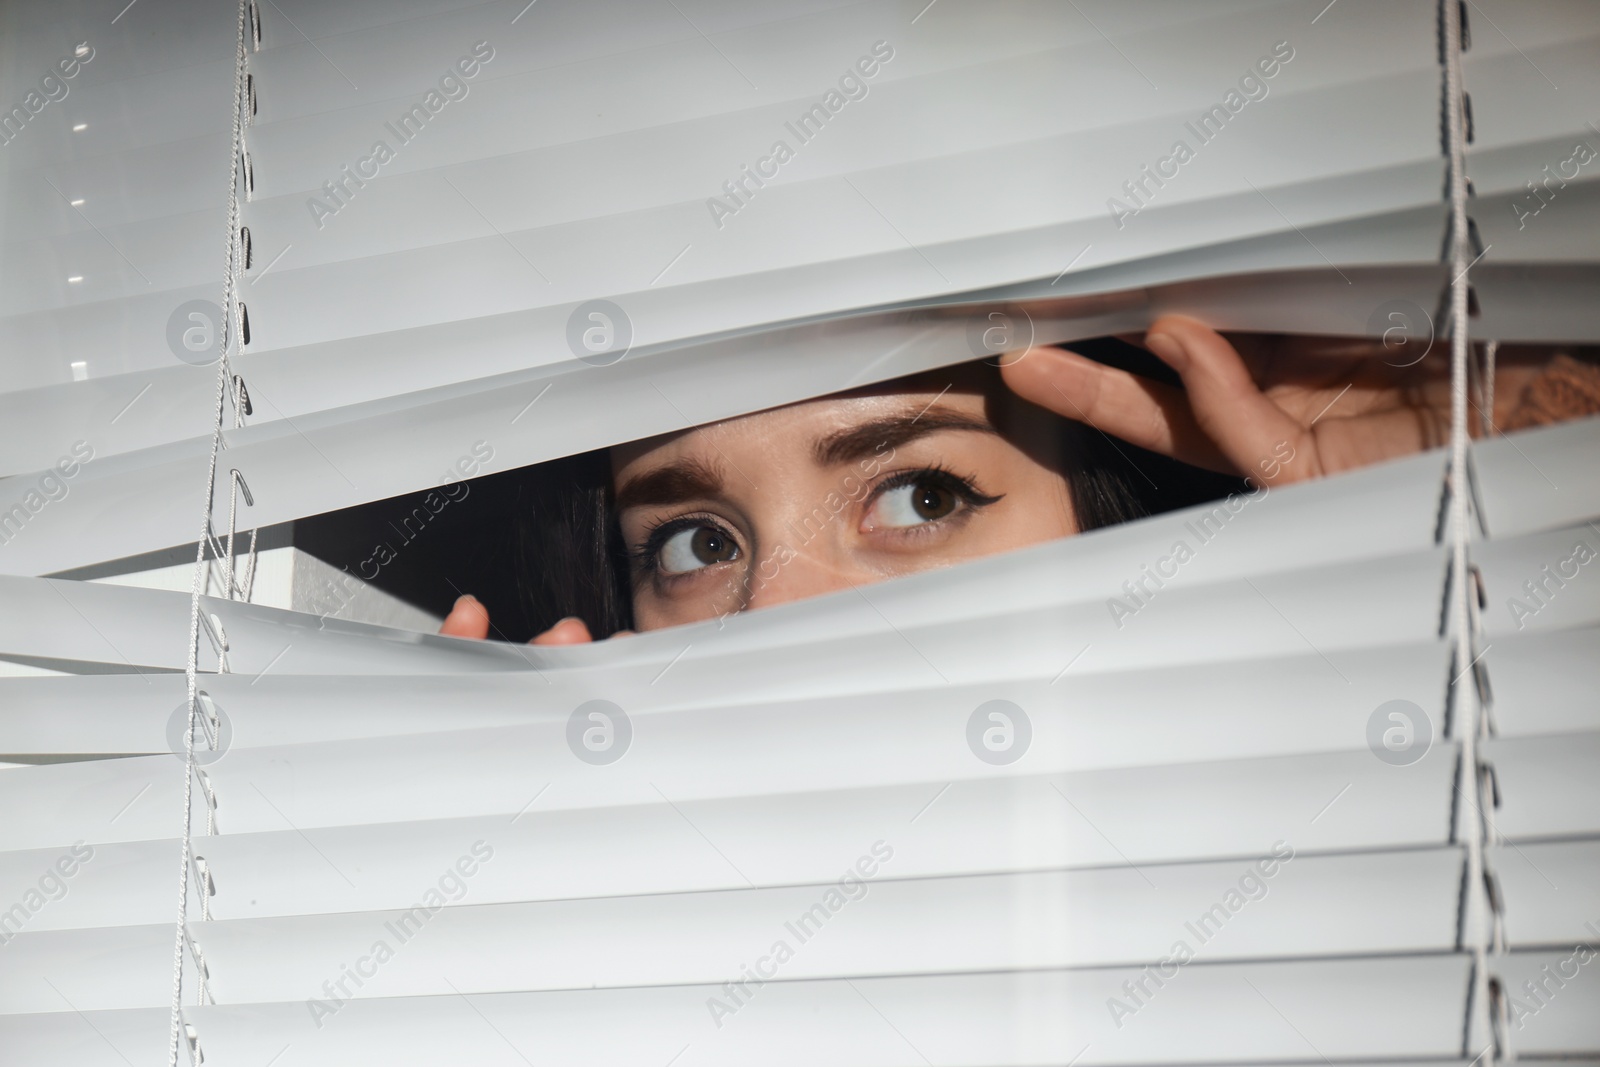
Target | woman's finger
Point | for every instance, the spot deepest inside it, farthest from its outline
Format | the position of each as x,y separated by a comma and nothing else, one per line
569,631
468,618
1146,413
1261,440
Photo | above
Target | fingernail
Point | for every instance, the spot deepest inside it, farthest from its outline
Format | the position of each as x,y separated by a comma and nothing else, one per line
1164,345
465,598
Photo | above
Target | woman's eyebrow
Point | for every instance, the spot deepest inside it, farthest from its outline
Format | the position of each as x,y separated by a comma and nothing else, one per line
866,438
684,479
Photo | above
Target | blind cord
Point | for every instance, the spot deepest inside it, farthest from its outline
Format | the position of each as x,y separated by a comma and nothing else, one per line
231,337
1477,902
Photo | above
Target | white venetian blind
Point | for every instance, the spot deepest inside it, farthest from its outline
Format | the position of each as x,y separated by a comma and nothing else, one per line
1208,770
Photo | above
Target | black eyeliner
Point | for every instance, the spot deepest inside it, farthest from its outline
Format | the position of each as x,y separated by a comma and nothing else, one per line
944,478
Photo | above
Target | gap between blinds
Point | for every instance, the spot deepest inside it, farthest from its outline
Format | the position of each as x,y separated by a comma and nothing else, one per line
800,856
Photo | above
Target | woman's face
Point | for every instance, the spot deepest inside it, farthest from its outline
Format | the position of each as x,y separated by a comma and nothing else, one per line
842,491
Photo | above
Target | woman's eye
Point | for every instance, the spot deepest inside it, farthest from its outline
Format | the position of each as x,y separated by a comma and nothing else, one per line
694,547
912,504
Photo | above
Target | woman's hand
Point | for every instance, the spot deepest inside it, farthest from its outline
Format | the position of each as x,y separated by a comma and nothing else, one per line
1330,404
469,618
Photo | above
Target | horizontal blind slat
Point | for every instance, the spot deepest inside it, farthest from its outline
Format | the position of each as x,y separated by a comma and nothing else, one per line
1548,786
1350,1010
1148,813
1382,1012
1538,480
937,830
866,924
1558,1020
1550,892
1176,714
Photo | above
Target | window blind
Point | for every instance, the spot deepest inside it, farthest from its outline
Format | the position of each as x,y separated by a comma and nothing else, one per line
1208,770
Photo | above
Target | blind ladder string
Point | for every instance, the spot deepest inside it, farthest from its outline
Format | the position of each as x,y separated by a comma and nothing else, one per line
231,337
1476,902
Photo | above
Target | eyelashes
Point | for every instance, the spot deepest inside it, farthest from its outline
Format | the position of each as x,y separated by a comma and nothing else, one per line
648,555
941,491
661,535
934,497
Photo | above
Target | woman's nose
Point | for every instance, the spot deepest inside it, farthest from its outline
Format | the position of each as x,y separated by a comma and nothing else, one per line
796,573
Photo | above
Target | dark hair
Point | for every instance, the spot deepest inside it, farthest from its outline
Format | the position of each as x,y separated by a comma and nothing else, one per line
570,559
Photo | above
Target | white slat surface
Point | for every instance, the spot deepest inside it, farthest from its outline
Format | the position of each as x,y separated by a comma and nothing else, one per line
1147,811
1397,902
1552,892
524,105
1364,1009
90,1039
980,1019
1187,713
1560,1022
1566,589
544,855
1540,479
1544,681
1548,785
